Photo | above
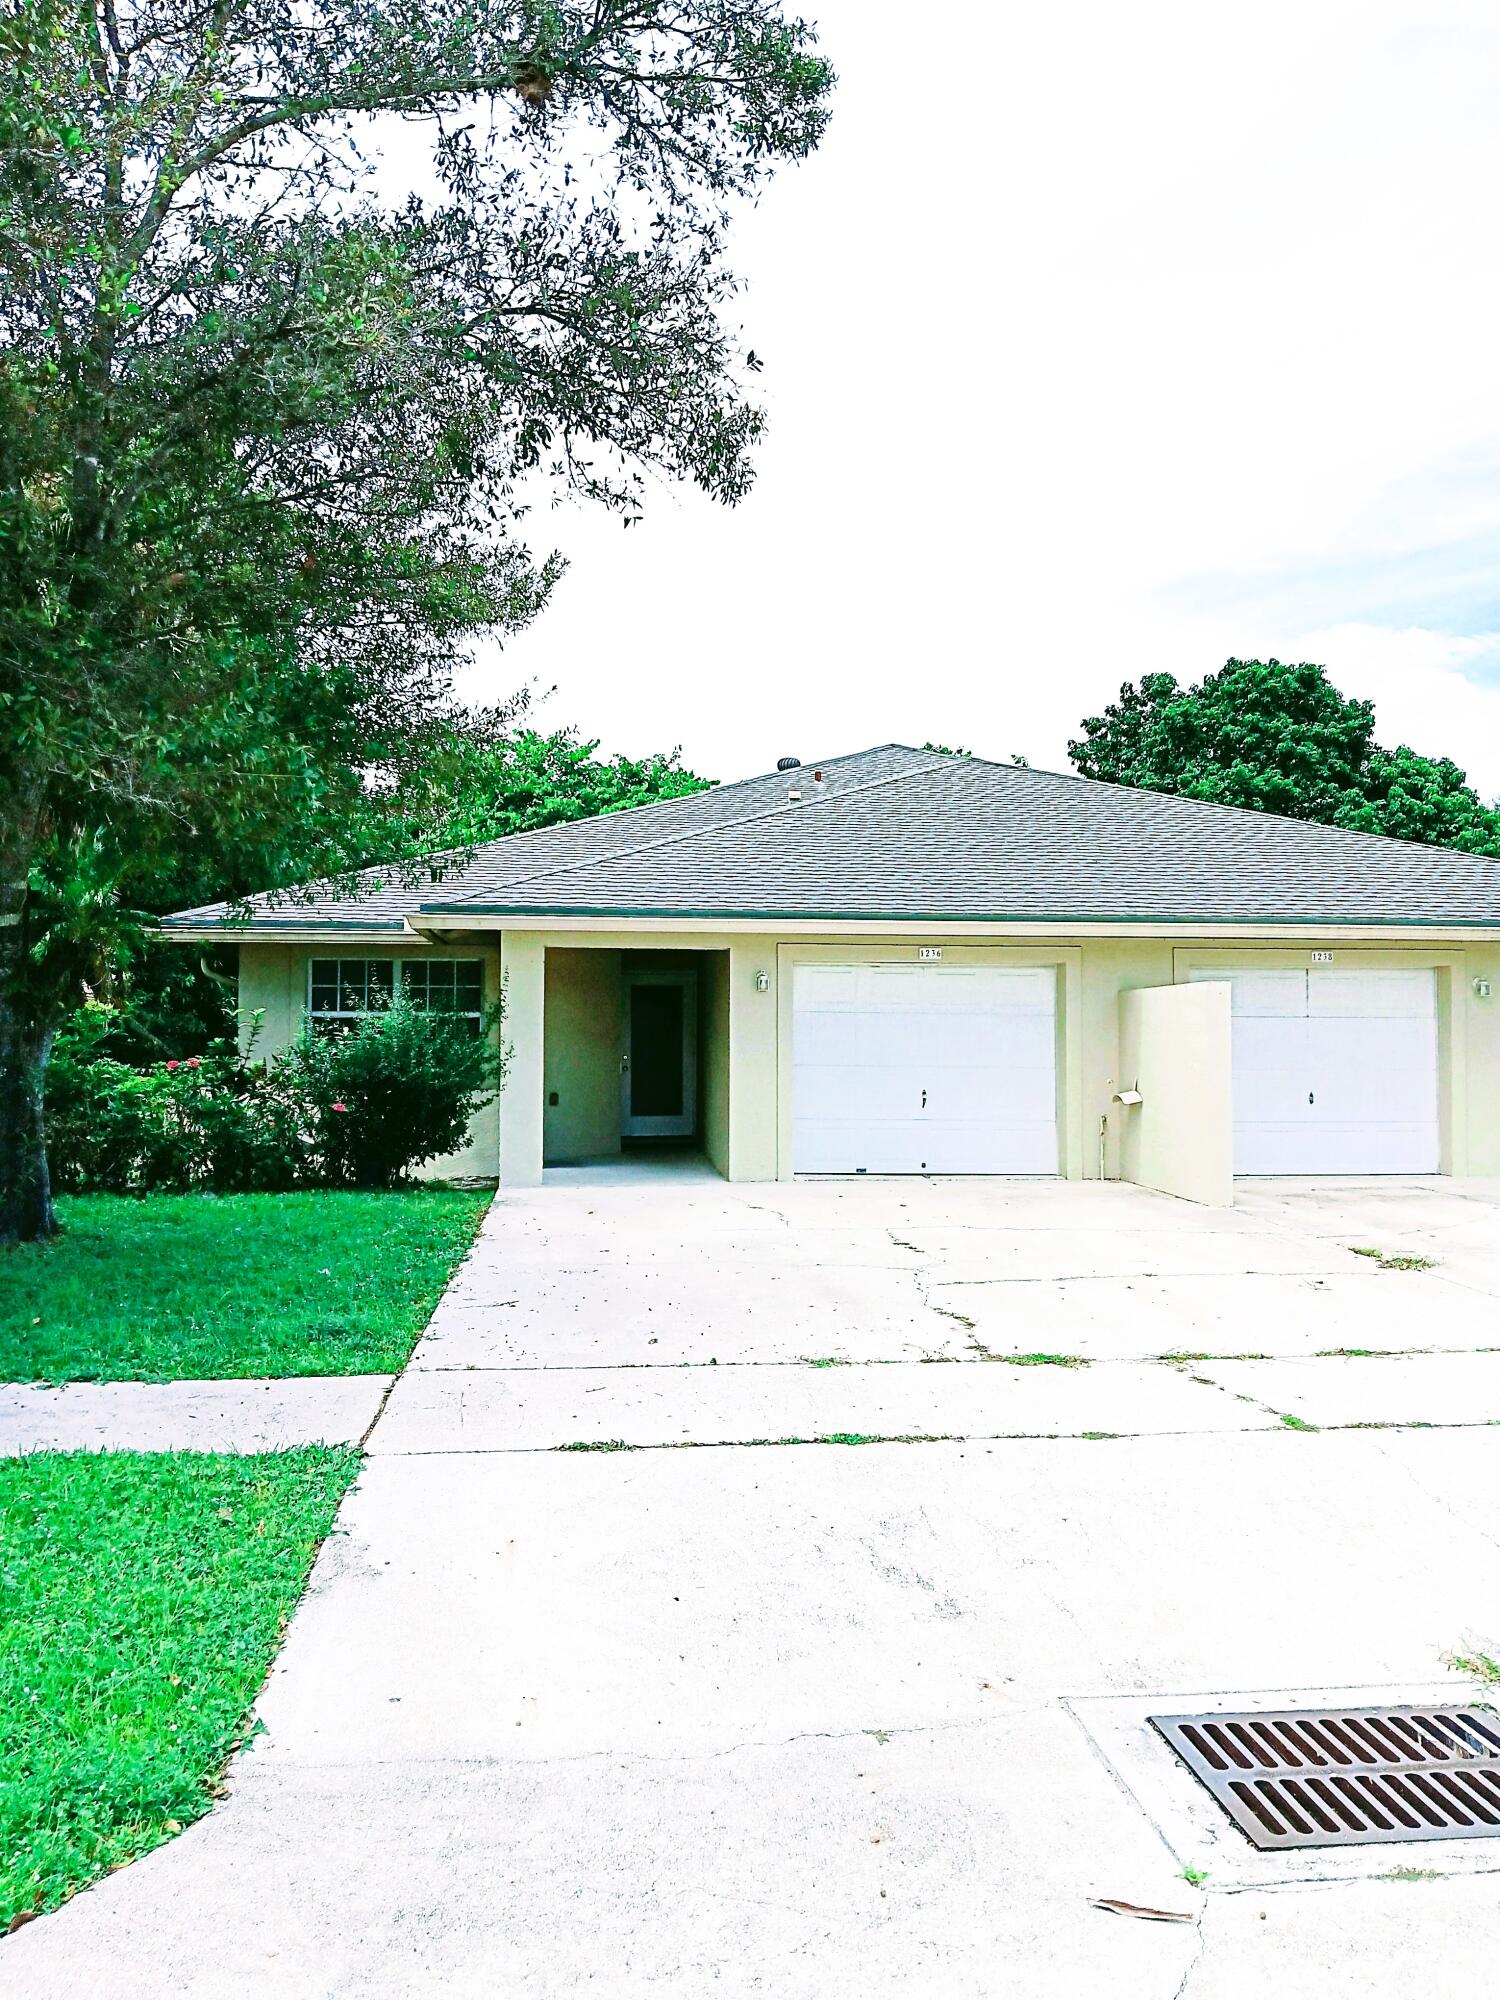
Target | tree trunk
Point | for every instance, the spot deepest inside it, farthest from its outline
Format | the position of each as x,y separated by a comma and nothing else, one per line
25,1035
25,1188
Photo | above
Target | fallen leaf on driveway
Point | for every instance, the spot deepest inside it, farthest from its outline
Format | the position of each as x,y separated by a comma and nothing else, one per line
1116,1908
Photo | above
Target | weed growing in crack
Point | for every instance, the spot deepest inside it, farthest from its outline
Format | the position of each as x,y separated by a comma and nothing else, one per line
1479,1667
1298,1423
1384,1263
598,1444
1042,1360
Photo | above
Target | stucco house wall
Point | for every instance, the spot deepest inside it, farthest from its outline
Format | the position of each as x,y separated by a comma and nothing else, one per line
273,998
562,1027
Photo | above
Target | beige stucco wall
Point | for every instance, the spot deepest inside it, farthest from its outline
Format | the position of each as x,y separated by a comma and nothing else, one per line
1174,1052
581,1033
714,1042
273,1002
747,1031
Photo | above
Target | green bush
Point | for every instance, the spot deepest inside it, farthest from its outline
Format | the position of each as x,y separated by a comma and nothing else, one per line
360,1108
216,1121
393,1091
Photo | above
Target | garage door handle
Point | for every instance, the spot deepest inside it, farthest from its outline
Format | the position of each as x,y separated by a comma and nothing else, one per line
924,1100
1309,1097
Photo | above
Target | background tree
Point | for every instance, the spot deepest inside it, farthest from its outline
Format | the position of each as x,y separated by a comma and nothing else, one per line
489,772
1278,738
266,430
467,776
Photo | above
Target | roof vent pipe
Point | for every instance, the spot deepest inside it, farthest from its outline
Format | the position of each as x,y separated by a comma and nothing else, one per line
788,763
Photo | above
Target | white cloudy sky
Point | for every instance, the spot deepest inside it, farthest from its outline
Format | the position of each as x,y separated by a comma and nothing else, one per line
1098,340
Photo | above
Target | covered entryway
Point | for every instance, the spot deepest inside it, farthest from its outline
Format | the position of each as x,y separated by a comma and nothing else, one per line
1335,1070
924,1069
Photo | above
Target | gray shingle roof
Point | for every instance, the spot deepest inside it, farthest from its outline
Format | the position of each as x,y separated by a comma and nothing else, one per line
903,833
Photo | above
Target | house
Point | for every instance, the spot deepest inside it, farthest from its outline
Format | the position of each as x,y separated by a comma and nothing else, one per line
904,962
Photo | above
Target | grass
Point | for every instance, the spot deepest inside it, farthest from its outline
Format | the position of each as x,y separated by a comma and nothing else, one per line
1042,1360
197,1287
1385,1263
144,1596
1299,1424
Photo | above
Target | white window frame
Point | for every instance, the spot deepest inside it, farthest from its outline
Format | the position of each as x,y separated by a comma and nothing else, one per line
398,974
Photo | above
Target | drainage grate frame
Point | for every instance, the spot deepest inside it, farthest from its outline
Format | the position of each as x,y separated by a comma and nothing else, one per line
1346,1777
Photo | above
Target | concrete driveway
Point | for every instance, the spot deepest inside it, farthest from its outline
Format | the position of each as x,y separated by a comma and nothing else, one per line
761,1590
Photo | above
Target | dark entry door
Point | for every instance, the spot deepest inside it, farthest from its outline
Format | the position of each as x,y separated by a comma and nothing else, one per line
659,1064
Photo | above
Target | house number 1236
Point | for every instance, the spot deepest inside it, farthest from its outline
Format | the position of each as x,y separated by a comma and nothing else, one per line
929,951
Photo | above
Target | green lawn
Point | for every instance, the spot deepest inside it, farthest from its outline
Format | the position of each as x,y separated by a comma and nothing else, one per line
144,1596
183,1287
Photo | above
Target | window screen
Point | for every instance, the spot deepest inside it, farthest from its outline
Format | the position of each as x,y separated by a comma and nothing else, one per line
446,986
341,989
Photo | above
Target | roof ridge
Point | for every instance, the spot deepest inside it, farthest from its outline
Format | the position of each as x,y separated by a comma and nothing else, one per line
1255,813
722,826
416,862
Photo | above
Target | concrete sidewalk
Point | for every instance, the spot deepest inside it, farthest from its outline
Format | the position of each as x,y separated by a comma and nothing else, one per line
821,1720
189,1416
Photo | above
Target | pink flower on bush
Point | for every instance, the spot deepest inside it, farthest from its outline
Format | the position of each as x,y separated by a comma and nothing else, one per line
195,1062
338,1107
174,1065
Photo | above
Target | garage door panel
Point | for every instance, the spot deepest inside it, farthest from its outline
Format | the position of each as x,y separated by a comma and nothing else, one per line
1268,1047
924,1069
1335,1071
829,1147
1273,1147
996,1041
994,1097
1381,995
1277,995
966,1148
854,1093
1387,1147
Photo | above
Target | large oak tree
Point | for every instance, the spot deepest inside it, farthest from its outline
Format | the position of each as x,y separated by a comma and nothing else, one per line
1275,737
267,428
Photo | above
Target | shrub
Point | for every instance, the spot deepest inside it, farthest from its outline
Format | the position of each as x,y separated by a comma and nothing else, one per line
216,1121
392,1091
359,1108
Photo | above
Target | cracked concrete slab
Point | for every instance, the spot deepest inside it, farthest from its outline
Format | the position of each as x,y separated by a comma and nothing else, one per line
554,1721
653,1310
1373,1389
1393,1940
1267,1313
988,1256
557,1603
870,1863
538,1410
189,1416
1460,1471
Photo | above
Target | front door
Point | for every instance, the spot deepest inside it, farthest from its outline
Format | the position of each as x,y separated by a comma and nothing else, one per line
659,1062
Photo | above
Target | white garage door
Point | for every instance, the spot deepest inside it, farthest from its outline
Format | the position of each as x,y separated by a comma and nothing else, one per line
1335,1072
923,1069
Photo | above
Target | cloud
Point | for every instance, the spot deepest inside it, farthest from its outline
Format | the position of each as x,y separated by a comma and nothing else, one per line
1432,690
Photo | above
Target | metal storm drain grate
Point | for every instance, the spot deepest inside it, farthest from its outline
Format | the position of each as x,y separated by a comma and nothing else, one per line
1308,1777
